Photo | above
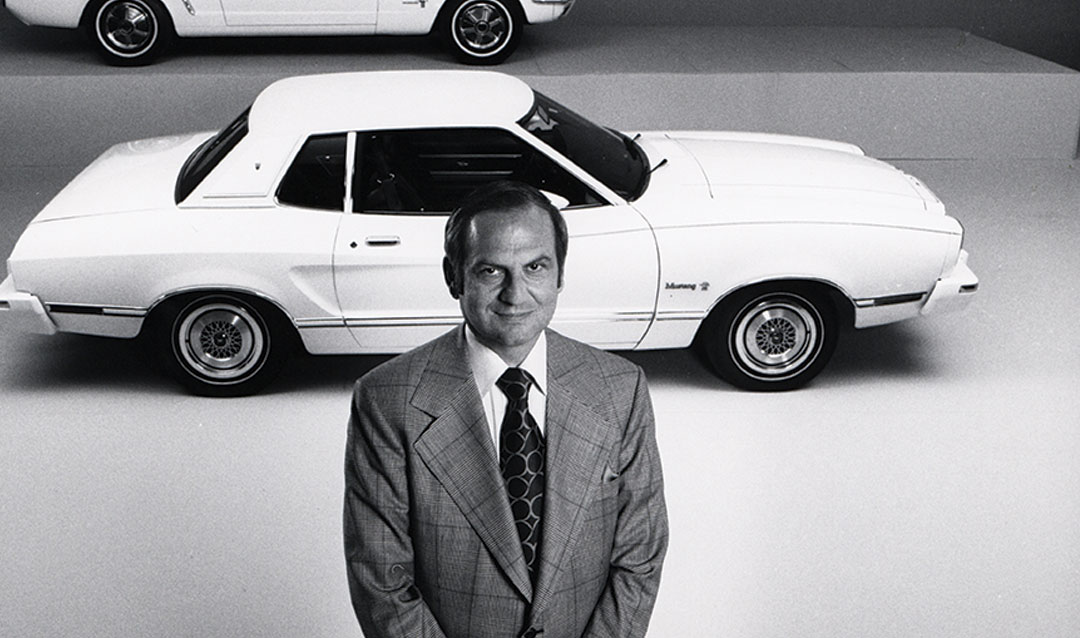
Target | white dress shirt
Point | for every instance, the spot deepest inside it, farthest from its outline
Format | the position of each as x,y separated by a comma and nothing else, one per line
487,367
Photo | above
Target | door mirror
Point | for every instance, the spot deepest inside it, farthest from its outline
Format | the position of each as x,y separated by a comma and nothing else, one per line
558,201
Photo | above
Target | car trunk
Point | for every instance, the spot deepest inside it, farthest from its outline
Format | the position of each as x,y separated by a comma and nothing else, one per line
130,176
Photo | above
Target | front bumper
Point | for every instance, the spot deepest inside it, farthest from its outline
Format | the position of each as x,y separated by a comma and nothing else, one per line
538,11
23,311
954,291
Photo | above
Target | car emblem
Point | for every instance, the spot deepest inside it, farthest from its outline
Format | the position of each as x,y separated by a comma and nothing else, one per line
672,285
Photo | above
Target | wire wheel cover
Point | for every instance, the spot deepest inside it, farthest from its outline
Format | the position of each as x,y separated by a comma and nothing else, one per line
777,336
221,342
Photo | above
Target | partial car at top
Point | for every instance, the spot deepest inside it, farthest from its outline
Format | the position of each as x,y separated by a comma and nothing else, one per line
132,32
319,224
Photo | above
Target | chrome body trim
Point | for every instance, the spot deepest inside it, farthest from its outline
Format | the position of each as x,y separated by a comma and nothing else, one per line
91,309
890,300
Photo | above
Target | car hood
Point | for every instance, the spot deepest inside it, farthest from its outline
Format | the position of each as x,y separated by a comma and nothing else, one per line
131,176
732,178
779,161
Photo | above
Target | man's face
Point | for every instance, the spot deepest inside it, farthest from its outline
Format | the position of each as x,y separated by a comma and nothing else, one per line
510,280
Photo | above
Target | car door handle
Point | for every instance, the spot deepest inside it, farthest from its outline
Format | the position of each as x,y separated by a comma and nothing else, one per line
382,240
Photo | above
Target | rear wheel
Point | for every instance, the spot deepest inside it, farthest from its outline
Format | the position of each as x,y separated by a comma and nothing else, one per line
773,337
129,32
481,31
223,345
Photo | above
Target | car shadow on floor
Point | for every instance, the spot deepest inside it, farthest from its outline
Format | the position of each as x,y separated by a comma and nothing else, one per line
66,362
71,362
323,372
22,43
421,46
71,51
862,356
900,350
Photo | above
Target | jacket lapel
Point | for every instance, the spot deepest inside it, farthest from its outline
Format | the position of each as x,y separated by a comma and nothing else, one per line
578,439
457,448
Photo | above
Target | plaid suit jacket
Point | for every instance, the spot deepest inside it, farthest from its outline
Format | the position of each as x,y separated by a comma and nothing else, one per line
430,544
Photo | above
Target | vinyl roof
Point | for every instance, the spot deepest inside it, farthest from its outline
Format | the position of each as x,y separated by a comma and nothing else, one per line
389,99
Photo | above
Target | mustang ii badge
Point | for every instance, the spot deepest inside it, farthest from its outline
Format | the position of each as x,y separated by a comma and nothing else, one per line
671,285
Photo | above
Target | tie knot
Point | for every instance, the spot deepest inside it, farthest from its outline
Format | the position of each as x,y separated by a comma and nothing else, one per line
515,384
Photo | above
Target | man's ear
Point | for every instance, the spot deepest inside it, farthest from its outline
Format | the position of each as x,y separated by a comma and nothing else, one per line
450,275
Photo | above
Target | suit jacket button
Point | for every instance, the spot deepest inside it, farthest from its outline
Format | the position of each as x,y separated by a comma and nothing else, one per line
410,594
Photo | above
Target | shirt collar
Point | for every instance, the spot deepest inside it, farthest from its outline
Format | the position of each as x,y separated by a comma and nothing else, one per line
487,366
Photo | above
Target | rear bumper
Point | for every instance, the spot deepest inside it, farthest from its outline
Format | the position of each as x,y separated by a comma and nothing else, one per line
954,291
23,311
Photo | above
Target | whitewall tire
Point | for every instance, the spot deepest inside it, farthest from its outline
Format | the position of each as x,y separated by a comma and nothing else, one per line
482,31
223,344
771,337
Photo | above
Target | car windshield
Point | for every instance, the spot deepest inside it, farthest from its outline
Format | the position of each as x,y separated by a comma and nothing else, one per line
208,154
606,154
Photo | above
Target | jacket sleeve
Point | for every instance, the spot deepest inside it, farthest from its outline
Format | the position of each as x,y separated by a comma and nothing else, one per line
378,548
641,535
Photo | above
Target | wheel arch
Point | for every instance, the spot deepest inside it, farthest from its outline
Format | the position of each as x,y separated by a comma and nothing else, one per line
450,5
840,301
91,7
156,311
774,334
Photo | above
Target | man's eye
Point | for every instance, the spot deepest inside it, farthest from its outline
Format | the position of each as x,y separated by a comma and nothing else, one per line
536,267
488,271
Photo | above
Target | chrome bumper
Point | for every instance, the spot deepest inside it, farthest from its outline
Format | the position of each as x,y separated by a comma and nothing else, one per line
954,291
23,311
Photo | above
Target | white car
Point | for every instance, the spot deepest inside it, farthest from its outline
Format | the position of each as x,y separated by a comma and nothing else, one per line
130,32
319,222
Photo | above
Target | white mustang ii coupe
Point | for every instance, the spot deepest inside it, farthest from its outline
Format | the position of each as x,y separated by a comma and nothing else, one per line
320,223
130,32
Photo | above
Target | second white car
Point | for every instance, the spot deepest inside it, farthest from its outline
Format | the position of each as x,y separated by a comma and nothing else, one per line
131,32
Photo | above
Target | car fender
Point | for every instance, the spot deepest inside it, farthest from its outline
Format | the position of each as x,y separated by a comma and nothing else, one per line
887,262
58,13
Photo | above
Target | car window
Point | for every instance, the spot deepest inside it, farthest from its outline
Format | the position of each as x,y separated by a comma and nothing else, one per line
429,171
316,177
208,155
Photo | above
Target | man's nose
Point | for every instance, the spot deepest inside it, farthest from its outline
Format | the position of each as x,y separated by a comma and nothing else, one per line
514,290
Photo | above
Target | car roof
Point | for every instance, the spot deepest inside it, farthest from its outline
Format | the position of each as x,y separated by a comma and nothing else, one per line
389,99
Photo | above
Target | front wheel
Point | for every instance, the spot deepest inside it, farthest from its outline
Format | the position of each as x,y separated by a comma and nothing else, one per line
129,32
482,31
223,345
771,338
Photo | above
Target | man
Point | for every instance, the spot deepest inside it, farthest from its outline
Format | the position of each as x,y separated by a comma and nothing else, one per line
503,480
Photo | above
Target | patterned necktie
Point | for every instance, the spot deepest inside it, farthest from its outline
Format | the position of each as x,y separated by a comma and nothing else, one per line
521,459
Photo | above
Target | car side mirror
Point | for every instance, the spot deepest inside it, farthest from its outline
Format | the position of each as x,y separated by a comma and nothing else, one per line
558,201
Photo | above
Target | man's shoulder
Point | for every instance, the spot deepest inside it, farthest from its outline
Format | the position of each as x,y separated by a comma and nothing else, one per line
565,350
405,369
608,384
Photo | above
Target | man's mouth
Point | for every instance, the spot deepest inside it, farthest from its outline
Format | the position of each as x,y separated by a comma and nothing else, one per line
514,316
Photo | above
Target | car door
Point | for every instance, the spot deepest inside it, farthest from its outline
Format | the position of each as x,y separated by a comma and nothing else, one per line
312,194
388,254
311,13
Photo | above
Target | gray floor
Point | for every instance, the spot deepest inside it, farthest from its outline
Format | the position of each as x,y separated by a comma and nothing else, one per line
570,47
926,484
